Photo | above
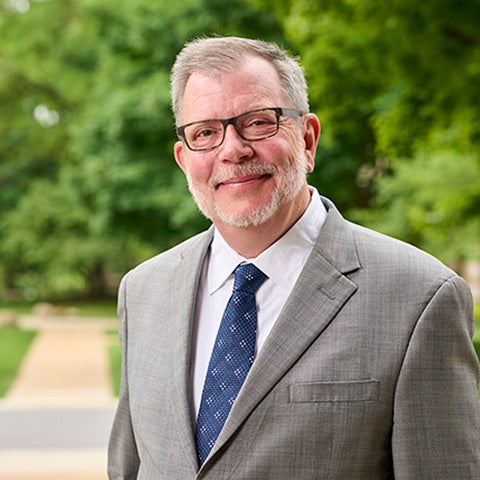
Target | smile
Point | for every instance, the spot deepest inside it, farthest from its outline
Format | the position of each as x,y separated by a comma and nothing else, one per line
243,174
242,180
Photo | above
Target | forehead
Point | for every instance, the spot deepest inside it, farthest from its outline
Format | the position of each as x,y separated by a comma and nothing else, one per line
255,84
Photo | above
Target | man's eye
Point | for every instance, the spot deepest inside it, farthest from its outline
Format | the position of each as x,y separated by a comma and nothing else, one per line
205,132
259,122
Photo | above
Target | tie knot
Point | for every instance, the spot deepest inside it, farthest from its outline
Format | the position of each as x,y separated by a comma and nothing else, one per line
248,278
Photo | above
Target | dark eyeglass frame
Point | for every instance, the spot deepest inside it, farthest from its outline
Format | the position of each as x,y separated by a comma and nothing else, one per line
279,112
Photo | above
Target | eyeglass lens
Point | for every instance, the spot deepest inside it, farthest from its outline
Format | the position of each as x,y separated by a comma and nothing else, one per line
255,125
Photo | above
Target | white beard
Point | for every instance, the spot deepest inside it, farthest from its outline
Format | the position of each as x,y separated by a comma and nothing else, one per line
293,180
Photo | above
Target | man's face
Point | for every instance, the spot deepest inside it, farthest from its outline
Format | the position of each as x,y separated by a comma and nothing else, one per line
244,183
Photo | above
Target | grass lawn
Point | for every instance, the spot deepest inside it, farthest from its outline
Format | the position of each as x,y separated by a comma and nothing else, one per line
92,308
476,339
476,344
105,307
115,356
476,335
14,344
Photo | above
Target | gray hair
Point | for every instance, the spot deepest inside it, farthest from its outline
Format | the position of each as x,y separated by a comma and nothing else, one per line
219,55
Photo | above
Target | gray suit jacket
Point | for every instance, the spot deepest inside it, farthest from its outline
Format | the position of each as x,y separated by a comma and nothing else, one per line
369,372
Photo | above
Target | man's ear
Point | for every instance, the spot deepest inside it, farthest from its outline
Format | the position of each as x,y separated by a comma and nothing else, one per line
311,135
179,153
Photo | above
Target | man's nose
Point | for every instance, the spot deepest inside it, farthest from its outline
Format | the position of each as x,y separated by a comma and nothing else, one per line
234,148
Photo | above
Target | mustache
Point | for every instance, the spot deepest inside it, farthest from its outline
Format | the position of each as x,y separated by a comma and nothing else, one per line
240,170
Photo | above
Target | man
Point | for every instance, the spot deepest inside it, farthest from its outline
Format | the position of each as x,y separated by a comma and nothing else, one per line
362,364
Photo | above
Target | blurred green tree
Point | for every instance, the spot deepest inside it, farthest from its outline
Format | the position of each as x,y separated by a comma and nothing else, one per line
396,86
88,182
39,88
88,185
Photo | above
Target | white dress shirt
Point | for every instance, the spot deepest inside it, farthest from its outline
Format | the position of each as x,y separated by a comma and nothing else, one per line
282,262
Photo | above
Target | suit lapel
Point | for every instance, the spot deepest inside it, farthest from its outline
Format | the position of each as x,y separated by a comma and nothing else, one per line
320,292
185,284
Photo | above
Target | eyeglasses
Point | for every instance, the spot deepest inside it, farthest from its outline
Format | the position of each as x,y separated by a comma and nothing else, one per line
253,125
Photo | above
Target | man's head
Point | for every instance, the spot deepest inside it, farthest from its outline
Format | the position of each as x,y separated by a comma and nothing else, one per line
247,139
217,56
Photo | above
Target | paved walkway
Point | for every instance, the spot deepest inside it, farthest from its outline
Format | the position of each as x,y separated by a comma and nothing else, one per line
57,415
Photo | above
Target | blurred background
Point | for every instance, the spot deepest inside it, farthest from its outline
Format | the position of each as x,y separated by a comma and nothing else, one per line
89,187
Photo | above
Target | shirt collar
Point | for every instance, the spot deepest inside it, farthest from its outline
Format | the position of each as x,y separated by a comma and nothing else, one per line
282,262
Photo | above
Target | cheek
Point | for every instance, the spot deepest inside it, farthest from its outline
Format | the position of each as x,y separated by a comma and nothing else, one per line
291,136
197,170
291,148
197,167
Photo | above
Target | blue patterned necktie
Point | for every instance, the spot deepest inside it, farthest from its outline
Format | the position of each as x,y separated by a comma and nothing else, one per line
231,358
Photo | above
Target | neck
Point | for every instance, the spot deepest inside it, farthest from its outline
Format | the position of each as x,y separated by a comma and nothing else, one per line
249,242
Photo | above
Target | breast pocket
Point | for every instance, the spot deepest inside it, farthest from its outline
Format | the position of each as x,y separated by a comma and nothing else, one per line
318,392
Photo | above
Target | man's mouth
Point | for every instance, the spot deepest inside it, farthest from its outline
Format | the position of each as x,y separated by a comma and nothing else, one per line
243,175
242,180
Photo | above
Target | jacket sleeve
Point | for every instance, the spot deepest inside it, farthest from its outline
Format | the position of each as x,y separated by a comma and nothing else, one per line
123,460
436,430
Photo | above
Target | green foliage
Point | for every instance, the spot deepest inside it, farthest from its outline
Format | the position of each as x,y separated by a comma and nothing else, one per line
396,87
432,199
88,182
14,344
88,185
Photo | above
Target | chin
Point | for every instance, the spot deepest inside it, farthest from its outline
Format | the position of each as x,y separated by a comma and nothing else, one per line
253,217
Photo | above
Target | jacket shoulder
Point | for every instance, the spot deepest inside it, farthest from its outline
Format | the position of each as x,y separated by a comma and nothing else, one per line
375,248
